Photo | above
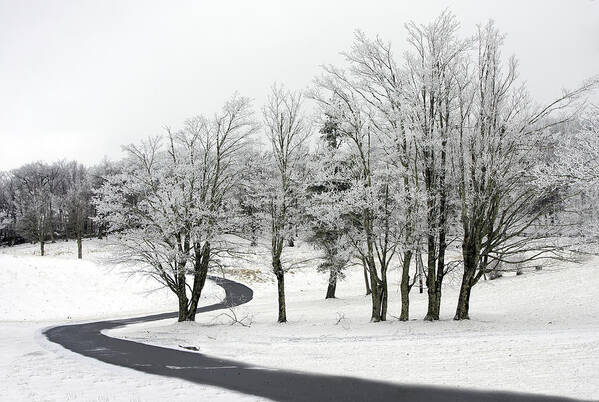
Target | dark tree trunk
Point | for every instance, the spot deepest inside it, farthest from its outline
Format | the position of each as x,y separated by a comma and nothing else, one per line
368,290
431,280
201,263
281,289
42,247
384,298
420,272
440,276
280,274
435,285
442,231
79,245
470,257
378,294
182,306
332,285
51,222
182,292
462,311
405,287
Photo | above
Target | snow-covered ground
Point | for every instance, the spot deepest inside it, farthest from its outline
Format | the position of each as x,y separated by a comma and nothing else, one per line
537,332
38,292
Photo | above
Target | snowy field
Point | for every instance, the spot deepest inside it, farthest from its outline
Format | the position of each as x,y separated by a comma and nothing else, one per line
537,332
38,292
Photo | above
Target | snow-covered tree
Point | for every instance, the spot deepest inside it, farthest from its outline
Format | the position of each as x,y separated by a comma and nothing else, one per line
255,173
372,201
77,202
172,204
8,209
495,158
382,84
287,130
449,117
328,182
33,202
572,169
434,60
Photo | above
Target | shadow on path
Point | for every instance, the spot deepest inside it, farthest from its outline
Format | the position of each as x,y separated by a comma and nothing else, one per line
279,385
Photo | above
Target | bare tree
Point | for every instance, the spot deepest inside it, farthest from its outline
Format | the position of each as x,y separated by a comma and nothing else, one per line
501,200
172,203
287,129
78,202
33,202
432,64
371,202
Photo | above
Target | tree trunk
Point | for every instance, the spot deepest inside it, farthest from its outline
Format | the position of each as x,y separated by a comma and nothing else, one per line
182,306
405,287
463,308
384,297
281,288
280,274
420,271
201,264
470,257
378,294
51,221
440,276
442,226
41,234
332,285
181,292
368,290
79,245
431,280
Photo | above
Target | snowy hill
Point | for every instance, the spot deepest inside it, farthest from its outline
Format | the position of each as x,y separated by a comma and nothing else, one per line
537,332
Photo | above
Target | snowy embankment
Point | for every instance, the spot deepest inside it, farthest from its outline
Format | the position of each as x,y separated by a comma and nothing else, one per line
38,292
537,332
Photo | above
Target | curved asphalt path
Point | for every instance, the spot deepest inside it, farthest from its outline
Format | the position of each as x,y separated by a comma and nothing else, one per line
279,385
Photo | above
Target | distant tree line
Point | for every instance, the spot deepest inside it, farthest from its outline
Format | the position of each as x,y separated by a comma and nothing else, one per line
42,202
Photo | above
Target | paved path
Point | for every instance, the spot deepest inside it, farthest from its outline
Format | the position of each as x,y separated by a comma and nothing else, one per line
279,385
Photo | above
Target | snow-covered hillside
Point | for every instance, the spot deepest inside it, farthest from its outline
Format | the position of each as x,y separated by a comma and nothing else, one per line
38,292
60,287
537,332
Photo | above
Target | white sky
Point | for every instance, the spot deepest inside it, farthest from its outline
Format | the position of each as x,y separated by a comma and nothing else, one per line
79,78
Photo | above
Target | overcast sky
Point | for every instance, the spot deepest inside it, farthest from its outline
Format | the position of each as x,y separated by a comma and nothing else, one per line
80,78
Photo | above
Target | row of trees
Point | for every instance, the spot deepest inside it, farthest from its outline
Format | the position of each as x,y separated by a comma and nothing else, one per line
440,146
42,203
